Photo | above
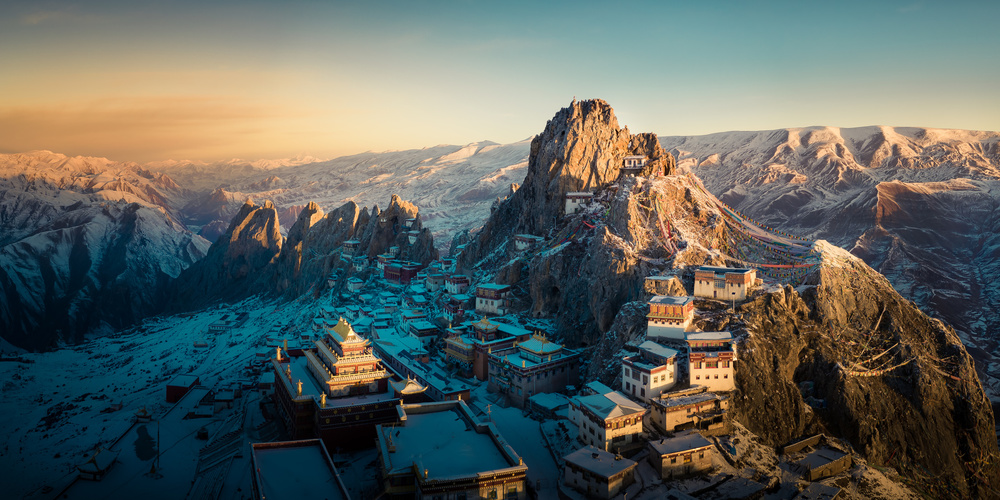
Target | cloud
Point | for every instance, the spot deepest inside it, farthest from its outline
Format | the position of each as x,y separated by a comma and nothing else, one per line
68,15
146,128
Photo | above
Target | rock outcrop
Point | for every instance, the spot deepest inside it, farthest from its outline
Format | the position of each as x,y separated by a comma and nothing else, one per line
581,149
231,270
253,258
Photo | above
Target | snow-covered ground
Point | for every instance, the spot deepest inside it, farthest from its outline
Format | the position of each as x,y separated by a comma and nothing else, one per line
57,406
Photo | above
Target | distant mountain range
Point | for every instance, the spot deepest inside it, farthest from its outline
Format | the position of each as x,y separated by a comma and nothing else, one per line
919,205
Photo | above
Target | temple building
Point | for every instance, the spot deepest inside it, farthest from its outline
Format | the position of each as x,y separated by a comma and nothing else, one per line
441,450
471,351
530,367
492,298
607,419
338,390
669,317
724,283
654,370
711,359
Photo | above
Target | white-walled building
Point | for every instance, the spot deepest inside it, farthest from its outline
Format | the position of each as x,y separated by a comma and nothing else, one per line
646,375
456,284
711,360
634,164
607,420
491,298
575,200
669,317
724,283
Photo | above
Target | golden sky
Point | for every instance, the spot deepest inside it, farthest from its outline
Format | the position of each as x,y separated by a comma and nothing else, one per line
217,80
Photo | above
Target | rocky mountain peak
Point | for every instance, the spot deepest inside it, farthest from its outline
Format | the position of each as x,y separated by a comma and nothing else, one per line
582,148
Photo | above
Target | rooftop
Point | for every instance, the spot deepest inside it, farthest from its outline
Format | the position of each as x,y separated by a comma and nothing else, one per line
724,270
493,286
598,461
183,380
610,405
657,349
821,457
680,443
538,344
670,300
683,401
296,469
444,442
708,336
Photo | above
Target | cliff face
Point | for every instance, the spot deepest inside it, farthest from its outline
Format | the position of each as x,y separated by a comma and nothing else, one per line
231,268
802,364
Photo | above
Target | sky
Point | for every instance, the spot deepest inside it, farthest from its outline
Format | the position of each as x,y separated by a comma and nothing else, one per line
214,80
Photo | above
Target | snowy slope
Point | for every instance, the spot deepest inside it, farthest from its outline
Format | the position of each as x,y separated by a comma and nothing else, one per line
454,186
85,242
918,205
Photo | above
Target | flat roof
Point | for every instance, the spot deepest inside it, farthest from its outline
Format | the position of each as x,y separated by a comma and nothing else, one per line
294,470
680,443
708,336
657,349
670,300
821,457
686,400
186,380
493,286
443,443
549,400
724,270
598,461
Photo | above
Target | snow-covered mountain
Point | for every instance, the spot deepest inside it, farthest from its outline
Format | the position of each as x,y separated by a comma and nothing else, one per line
454,186
85,242
919,205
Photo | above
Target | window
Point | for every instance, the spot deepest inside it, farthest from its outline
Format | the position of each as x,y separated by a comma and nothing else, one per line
697,377
673,460
687,457
642,392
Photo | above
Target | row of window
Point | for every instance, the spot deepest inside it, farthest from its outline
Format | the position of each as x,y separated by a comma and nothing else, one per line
695,365
709,377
